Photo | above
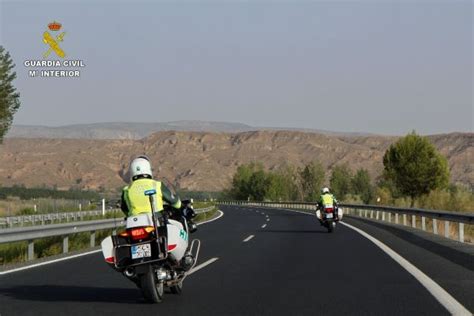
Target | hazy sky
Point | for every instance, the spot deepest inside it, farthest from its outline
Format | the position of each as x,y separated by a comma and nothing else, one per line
364,66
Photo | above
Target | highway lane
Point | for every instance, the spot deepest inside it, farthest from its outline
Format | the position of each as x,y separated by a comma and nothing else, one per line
290,267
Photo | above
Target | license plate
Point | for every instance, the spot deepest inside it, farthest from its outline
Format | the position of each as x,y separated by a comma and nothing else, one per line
141,251
329,215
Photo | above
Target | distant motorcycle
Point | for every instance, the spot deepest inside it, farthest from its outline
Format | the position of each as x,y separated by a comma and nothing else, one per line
329,215
153,251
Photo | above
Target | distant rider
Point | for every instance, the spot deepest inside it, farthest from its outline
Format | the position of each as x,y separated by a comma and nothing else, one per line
134,200
326,198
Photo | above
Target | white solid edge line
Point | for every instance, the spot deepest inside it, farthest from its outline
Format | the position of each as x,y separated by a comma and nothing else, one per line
202,265
213,219
84,254
440,294
248,238
264,225
48,262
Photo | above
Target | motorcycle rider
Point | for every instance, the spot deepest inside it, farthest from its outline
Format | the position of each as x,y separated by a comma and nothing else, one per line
134,201
326,198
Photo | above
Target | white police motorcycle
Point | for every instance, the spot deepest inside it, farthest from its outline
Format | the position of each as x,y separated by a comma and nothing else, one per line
154,251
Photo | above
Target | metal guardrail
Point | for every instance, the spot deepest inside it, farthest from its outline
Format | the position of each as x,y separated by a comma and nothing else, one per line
32,233
49,218
385,213
204,210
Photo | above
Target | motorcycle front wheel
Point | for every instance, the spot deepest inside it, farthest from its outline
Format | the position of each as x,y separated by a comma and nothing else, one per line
151,289
177,289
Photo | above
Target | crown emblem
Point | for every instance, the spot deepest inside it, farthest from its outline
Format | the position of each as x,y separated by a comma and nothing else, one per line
54,26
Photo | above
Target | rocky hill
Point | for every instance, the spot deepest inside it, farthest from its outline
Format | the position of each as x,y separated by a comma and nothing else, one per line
203,160
129,130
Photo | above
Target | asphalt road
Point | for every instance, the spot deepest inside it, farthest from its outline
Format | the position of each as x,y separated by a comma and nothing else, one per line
291,266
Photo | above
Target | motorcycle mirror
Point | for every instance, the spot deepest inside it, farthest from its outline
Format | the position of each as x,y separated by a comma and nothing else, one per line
169,185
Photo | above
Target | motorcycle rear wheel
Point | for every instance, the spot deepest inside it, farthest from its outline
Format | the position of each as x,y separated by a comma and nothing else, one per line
330,227
151,289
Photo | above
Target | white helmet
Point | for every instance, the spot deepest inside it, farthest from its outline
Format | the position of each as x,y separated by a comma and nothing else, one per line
140,166
325,190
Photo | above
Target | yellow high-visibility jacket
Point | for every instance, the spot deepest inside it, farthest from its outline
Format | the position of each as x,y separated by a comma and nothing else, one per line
134,200
327,199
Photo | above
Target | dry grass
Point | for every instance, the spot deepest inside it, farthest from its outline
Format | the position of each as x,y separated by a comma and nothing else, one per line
17,252
14,206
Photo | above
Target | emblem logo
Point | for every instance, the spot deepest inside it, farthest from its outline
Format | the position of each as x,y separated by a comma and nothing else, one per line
53,42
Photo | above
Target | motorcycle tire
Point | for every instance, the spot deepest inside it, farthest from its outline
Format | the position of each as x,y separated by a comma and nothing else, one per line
177,289
151,289
330,227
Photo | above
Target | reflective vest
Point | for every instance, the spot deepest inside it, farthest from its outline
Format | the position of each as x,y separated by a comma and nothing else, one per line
136,199
327,200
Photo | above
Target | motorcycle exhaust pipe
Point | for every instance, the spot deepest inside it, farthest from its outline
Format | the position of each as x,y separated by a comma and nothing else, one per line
129,272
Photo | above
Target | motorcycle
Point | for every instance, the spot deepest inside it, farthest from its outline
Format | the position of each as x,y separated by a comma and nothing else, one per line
153,251
329,215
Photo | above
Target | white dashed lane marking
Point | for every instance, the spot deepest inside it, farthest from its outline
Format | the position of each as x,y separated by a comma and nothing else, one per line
248,238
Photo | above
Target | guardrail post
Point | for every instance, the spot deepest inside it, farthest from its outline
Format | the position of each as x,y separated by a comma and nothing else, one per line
383,216
423,223
366,211
446,229
389,217
413,221
66,244
404,219
377,215
435,226
92,239
31,250
461,232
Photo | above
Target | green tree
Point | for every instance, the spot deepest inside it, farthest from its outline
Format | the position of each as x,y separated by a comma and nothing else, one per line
241,189
361,185
340,181
277,188
415,167
259,185
289,175
312,178
9,97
